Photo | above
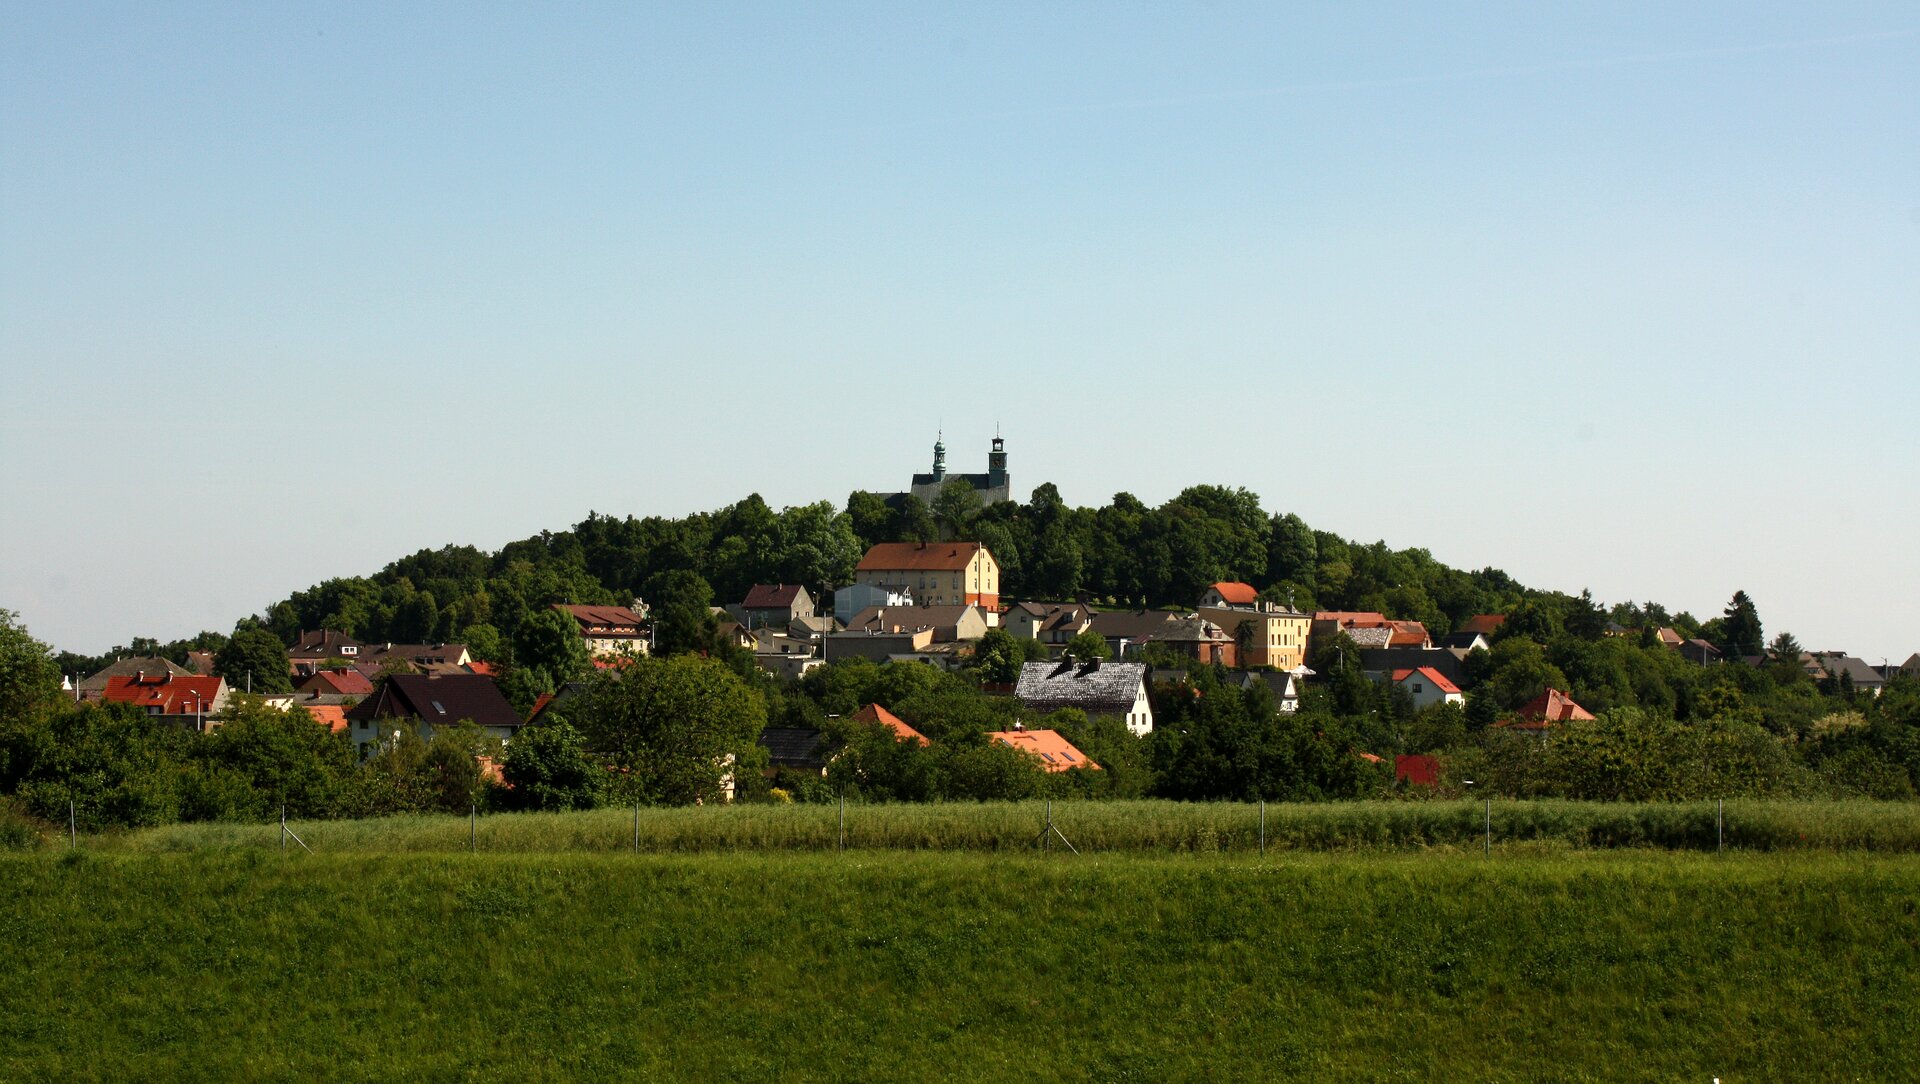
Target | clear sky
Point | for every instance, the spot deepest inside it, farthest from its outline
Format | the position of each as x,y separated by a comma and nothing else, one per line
1624,297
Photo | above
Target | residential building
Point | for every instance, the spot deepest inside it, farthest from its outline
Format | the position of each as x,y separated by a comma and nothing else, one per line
1837,664
1117,689
1463,644
1419,770
1484,624
1054,751
1699,651
323,648
875,715
336,682
1427,687
796,748
143,665
1198,639
1379,663
1265,633
1543,711
875,646
949,623
939,573
1368,629
773,605
429,701
1125,630
610,630
1230,594
1051,623
854,597
188,700
1283,685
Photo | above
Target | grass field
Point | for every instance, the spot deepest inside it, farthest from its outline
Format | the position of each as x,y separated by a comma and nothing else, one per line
1633,965
1093,827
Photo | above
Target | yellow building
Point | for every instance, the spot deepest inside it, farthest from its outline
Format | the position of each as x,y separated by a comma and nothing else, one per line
939,573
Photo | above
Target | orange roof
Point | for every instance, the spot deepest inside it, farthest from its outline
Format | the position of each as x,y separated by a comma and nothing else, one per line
333,716
1439,679
342,682
1356,618
1237,594
874,713
1552,706
1056,753
170,694
483,668
920,556
1484,624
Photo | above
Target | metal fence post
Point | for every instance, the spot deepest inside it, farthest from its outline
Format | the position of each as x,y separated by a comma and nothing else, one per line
283,827
1489,848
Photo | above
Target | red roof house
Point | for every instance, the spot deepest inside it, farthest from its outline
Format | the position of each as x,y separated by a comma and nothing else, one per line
189,699
1428,686
336,682
1550,707
1422,770
1056,753
874,713
1230,594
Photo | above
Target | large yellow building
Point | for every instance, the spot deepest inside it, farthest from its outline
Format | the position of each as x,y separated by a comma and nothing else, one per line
939,573
1277,636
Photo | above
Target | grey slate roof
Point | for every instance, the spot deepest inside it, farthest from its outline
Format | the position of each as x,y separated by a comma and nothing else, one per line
1413,658
439,701
1095,687
795,747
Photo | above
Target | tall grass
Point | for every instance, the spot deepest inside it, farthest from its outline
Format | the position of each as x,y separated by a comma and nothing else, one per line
1131,826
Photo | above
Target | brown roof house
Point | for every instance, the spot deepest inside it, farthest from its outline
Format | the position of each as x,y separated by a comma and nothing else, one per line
773,605
144,665
1543,711
1118,689
1051,623
610,630
950,624
430,701
1055,752
1199,639
939,573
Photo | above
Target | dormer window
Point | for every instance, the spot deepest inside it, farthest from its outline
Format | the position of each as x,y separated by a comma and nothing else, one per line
349,650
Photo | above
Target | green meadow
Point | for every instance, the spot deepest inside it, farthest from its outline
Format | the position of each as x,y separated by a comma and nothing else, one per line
234,960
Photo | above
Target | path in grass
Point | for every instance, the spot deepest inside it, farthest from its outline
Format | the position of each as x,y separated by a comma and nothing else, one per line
957,966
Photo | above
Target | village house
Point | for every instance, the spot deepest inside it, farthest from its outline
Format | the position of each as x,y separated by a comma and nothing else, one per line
1125,630
938,573
610,630
854,597
1427,686
1050,747
95,684
429,702
1369,629
1117,689
1199,639
1543,711
187,700
773,605
1051,623
1265,633
875,715
950,624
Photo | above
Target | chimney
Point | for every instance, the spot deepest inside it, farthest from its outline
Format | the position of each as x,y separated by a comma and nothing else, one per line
139,676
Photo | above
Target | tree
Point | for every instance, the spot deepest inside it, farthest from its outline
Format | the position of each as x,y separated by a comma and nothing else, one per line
549,640
1088,644
1740,634
673,727
254,660
956,505
28,676
548,769
999,655
683,618
286,758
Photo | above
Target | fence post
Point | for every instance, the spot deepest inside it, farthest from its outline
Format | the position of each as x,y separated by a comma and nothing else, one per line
1263,826
1489,849
1046,836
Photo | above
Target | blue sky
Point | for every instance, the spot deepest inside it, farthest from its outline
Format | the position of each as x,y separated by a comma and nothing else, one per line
1618,297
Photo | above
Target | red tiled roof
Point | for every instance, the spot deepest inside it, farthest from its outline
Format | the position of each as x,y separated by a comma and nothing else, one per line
172,694
600,615
1056,753
332,716
343,682
485,669
1439,680
1484,624
1236,594
874,713
1552,706
1422,770
920,556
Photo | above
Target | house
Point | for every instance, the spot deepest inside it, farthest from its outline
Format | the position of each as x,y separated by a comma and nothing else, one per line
875,715
773,605
854,597
95,684
992,487
1282,684
331,716
1700,651
1230,594
1463,644
796,748
1116,688
938,573
324,648
1540,713
188,700
1484,624
1051,623
1380,663
1427,686
1198,639
1368,629
1837,664
950,624
1669,636
1266,634
610,630
1056,753
875,646
200,662
1124,631
336,683
433,700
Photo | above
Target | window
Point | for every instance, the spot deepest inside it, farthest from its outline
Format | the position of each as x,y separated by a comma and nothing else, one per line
439,707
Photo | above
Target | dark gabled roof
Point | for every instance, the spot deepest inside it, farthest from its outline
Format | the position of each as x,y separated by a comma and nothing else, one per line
600,616
151,665
438,701
1413,658
1461,641
1104,687
795,747
1134,625
321,643
771,596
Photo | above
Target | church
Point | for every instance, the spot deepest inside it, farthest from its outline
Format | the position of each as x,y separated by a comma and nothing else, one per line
993,486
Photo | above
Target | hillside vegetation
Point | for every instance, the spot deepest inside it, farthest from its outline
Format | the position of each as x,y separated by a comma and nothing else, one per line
956,967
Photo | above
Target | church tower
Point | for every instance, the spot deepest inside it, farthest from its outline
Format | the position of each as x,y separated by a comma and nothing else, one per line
939,459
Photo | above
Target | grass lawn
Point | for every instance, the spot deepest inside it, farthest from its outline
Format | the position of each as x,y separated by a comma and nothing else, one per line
879,965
